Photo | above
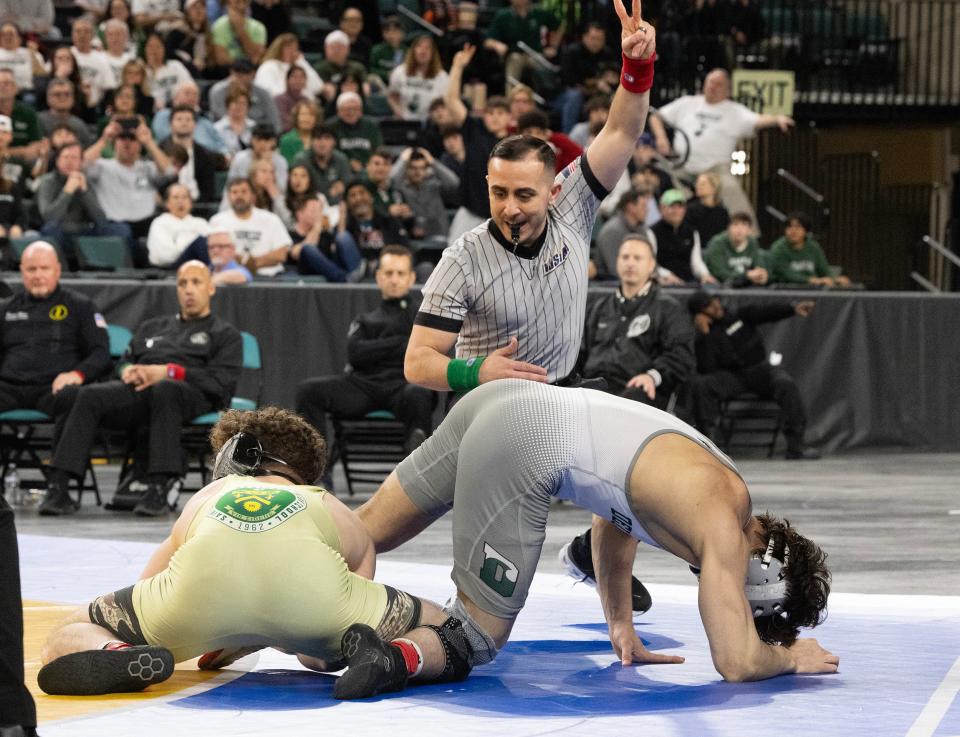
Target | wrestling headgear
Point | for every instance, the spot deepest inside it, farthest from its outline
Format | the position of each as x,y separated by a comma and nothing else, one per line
243,455
766,583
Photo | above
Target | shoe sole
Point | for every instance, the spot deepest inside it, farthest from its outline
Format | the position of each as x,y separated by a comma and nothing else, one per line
94,672
641,601
367,666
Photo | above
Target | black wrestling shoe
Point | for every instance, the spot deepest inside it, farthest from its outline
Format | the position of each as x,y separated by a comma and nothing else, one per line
92,672
577,557
373,666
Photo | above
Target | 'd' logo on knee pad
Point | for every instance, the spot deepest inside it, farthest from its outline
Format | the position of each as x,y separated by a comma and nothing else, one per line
498,573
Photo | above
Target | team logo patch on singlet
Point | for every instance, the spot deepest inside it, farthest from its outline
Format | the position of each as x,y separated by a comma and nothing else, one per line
256,509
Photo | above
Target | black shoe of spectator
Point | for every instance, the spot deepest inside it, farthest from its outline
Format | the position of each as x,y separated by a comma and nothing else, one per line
154,501
414,440
803,453
577,556
58,501
18,731
128,494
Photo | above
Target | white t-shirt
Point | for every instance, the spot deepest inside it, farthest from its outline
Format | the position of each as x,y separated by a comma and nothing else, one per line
163,80
20,62
96,71
156,7
713,129
116,64
417,92
170,235
259,234
272,76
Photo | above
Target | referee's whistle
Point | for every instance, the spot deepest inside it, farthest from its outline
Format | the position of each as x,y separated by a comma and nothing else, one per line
515,234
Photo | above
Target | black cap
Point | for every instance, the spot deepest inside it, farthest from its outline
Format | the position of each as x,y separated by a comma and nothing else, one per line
698,301
128,134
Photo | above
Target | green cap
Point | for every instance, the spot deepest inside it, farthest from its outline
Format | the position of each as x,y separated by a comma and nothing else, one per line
672,197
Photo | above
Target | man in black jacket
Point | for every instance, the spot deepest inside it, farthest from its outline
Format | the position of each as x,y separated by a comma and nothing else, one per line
639,339
198,174
732,359
176,368
52,339
376,344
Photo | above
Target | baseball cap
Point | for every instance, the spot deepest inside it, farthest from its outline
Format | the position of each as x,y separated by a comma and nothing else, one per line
6,125
243,66
672,197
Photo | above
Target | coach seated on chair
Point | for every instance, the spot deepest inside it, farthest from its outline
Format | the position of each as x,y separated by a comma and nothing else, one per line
51,338
376,345
732,359
638,339
176,368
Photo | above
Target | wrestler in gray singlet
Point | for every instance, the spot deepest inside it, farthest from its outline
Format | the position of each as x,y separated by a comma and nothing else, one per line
504,451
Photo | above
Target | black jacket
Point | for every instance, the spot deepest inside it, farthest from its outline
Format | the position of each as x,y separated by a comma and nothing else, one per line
205,165
210,349
734,342
41,338
675,247
623,338
377,340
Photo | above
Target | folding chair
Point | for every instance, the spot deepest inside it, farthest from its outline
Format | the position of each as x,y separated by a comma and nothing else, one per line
368,448
747,421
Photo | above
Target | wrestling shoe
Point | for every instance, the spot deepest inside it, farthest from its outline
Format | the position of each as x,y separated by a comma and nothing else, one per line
92,672
577,557
373,666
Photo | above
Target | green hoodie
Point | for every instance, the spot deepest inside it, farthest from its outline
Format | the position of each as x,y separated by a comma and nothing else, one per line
793,266
726,263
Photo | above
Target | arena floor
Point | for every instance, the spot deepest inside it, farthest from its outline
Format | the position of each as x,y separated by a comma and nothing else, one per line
890,521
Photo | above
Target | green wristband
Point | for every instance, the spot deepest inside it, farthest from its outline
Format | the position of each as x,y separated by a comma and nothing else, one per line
463,374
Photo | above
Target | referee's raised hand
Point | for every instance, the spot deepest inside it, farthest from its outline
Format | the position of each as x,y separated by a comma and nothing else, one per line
499,365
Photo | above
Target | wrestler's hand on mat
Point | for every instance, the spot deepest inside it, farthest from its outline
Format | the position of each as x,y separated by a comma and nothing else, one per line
499,365
809,657
629,648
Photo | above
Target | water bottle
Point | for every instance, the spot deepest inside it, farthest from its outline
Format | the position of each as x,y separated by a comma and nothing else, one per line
11,486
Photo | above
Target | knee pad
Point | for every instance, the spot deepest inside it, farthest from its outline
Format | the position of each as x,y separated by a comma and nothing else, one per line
484,649
458,655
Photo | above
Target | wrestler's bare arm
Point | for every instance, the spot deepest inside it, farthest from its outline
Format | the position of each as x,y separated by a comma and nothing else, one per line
356,546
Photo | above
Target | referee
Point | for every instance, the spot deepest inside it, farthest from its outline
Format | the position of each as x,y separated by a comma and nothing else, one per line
511,293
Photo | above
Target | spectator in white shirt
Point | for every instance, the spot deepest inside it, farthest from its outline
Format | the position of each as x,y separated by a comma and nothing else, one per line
262,241
116,36
272,72
418,81
23,61
158,15
163,75
176,236
95,70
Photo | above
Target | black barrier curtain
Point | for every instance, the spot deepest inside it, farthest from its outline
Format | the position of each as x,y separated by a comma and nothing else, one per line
875,369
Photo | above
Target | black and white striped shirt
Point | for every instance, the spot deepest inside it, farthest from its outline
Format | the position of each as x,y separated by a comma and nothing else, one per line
487,294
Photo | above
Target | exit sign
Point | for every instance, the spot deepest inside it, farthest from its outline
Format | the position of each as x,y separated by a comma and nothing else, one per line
769,92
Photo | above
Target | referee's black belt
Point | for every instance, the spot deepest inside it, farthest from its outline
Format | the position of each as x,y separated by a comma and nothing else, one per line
573,380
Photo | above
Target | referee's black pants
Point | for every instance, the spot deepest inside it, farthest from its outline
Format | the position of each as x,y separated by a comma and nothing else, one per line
33,396
16,703
707,391
351,397
164,408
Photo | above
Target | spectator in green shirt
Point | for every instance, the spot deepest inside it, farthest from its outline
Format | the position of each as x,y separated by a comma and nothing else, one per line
28,142
357,135
390,52
522,22
336,65
734,256
797,258
242,37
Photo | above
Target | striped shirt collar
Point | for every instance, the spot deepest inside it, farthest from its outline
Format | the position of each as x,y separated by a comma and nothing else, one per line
528,252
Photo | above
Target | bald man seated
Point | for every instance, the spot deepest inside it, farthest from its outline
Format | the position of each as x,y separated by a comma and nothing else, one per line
176,367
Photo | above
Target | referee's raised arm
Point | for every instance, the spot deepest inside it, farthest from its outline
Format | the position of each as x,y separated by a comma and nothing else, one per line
611,150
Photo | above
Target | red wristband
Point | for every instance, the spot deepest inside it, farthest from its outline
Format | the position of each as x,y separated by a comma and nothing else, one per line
81,375
637,74
175,371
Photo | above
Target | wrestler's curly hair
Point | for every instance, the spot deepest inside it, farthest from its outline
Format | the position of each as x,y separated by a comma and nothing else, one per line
808,582
281,433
